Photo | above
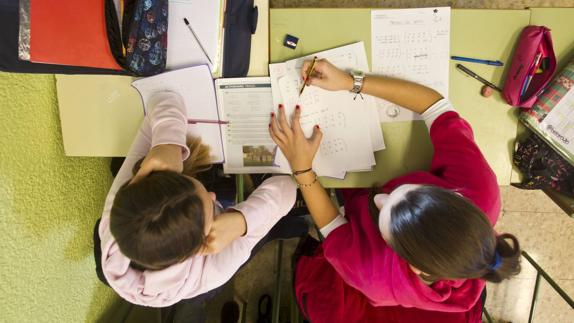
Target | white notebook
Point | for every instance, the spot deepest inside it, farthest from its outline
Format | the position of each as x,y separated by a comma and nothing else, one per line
195,85
206,19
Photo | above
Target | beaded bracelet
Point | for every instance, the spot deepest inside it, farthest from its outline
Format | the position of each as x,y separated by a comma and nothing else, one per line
299,172
299,185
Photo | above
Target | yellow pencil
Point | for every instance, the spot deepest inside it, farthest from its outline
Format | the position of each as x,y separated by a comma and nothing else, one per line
309,72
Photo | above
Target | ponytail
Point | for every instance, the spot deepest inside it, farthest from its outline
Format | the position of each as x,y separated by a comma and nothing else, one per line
199,159
506,261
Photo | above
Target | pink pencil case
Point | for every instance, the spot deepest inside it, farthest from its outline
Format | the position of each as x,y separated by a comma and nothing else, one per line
532,67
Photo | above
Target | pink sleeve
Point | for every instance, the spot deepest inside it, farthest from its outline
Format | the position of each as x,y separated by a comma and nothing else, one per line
458,161
168,120
272,200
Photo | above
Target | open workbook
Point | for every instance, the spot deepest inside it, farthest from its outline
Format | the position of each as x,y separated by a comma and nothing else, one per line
231,117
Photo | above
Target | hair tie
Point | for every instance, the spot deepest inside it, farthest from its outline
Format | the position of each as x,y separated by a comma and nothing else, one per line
496,263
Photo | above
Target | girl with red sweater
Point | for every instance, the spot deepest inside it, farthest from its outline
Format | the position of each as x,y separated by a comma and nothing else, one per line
421,248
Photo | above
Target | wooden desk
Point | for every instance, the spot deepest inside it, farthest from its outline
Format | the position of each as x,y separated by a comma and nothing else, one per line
474,33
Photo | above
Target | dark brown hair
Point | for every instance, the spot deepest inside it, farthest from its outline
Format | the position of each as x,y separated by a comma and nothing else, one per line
447,237
159,220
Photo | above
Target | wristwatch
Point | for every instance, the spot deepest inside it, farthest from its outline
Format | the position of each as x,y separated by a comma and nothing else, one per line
358,78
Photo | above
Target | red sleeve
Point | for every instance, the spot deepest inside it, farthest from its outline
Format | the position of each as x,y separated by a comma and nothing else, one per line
458,161
358,252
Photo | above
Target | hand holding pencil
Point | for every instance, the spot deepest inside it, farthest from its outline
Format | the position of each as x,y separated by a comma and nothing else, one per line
326,76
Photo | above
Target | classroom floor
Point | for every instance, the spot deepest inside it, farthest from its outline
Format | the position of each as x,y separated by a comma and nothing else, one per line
50,202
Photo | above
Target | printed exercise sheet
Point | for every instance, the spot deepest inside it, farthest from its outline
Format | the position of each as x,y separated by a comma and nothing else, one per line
350,134
411,44
559,123
247,103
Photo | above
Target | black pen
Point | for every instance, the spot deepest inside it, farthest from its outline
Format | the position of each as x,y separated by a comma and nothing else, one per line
197,39
478,78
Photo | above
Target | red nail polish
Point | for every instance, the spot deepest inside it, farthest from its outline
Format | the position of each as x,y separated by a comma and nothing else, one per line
297,107
317,126
269,125
281,106
272,114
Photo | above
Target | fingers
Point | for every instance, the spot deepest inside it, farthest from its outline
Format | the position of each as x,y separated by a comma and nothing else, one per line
316,137
276,134
320,66
283,123
209,245
317,81
142,172
275,138
295,123
304,69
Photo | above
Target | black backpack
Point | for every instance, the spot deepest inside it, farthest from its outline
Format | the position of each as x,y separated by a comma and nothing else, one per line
543,167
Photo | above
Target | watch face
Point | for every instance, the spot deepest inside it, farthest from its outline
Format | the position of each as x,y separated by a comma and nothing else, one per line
358,77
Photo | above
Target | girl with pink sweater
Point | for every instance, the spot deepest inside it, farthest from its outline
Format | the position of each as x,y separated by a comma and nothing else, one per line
164,237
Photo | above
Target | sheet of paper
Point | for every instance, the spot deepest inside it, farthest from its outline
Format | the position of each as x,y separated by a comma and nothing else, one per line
247,103
559,123
100,114
195,85
343,121
204,16
411,44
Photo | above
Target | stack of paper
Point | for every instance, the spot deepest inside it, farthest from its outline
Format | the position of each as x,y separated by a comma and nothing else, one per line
351,128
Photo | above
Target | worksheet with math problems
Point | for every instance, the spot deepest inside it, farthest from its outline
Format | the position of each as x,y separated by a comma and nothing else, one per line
349,122
410,44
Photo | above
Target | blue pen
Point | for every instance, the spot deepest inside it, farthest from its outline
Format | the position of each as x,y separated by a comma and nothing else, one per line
476,60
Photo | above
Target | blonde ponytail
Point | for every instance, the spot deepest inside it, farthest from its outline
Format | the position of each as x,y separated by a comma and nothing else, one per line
199,159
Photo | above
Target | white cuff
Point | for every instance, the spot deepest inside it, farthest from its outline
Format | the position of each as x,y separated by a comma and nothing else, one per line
432,113
334,224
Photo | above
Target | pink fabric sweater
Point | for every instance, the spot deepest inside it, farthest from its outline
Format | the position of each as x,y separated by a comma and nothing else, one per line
274,198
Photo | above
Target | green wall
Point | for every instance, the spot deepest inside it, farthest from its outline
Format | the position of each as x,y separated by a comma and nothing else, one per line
48,206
